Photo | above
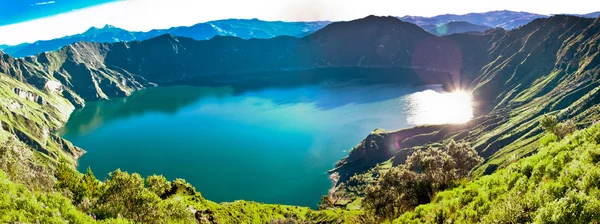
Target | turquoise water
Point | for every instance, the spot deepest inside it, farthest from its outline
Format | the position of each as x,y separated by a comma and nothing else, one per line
273,145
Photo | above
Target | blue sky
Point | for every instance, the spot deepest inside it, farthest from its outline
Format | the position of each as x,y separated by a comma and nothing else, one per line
31,20
16,11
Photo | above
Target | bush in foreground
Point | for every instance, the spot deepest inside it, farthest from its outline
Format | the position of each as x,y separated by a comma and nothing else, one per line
20,205
549,123
425,173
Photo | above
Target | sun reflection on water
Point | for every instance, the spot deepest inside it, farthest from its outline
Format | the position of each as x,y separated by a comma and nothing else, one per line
433,107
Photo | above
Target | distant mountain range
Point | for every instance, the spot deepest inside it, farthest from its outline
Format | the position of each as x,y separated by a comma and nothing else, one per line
246,29
502,19
242,28
590,15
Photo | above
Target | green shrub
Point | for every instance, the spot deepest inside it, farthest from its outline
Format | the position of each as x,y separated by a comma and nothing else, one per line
19,205
325,202
547,139
359,182
549,123
125,196
425,173
399,191
565,128
574,207
158,184
180,186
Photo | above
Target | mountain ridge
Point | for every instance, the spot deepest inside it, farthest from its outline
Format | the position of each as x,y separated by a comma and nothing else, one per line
225,54
246,29
254,28
505,19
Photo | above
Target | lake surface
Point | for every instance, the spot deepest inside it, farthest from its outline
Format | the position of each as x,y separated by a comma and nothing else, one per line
272,145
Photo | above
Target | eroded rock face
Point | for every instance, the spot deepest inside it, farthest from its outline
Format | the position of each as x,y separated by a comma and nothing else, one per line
33,143
31,96
68,147
77,101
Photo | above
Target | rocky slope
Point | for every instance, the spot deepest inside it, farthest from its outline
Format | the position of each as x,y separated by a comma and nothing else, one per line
32,115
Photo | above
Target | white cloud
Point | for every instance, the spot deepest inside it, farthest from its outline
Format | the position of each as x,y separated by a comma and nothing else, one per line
44,3
143,15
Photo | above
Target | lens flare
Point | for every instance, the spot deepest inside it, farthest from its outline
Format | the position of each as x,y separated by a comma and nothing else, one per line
442,29
432,107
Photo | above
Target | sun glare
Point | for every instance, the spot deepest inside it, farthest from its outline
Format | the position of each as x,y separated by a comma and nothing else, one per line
432,107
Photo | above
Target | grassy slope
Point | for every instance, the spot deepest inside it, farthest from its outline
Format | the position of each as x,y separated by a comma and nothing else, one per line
18,204
559,184
255,212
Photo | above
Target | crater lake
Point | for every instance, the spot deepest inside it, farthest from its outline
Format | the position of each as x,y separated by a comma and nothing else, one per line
273,145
